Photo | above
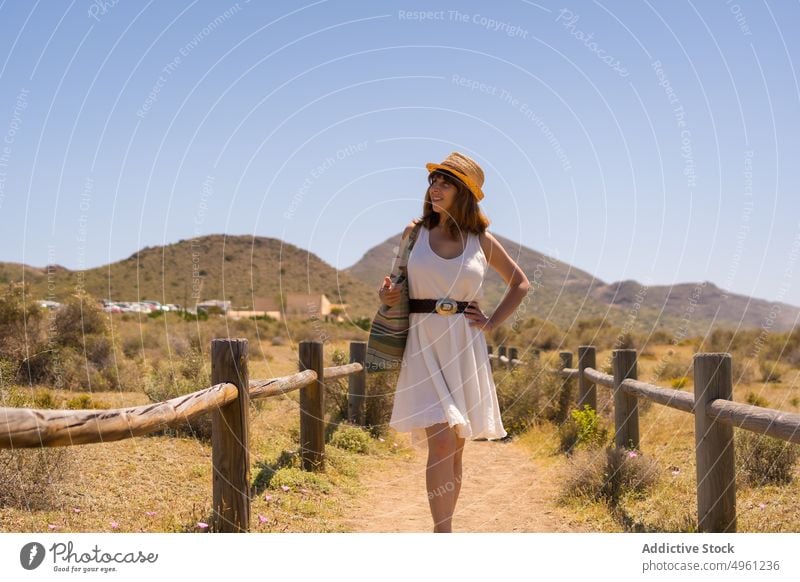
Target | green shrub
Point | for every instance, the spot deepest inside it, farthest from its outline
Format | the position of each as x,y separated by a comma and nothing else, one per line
81,402
351,438
43,398
756,400
584,429
295,478
364,323
679,383
763,459
200,316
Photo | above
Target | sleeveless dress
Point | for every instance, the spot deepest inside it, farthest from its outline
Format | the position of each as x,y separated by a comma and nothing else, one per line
446,375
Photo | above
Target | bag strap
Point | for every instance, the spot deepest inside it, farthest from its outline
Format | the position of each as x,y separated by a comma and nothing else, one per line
405,249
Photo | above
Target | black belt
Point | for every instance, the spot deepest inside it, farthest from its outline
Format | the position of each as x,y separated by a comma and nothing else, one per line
446,306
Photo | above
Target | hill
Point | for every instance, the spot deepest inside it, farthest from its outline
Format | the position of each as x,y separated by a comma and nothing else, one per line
245,269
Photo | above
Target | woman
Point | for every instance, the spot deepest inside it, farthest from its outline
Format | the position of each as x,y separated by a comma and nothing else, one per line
445,391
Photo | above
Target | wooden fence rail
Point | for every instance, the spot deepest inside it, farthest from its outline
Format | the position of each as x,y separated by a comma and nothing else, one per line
227,401
715,417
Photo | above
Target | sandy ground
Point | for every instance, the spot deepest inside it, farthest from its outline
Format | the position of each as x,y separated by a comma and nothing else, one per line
503,490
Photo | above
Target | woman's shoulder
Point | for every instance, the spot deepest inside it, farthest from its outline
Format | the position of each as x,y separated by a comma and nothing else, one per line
488,242
410,227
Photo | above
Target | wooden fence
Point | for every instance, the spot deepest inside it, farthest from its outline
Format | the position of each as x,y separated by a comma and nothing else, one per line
715,416
507,357
227,400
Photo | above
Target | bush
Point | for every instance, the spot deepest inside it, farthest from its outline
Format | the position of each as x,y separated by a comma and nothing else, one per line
336,391
295,478
82,402
670,370
763,459
79,316
527,394
364,323
756,400
770,371
351,438
178,377
584,429
21,323
610,475
30,478
679,383
379,401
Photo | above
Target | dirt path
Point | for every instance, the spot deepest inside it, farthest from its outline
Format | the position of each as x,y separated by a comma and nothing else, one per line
503,490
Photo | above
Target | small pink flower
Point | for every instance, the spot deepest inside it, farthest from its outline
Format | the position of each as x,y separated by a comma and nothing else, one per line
305,491
262,519
632,454
267,497
202,525
114,525
676,471
52,526
284,488
762,505
76,509
382,440
150,513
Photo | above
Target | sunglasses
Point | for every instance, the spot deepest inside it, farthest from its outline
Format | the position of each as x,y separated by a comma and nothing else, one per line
447,178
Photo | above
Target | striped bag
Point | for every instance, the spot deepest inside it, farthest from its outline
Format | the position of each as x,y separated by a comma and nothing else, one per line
389,329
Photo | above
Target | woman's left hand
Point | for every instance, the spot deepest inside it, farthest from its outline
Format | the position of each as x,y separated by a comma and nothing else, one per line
477,317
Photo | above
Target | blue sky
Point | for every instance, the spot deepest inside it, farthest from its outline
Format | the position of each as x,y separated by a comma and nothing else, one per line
654,141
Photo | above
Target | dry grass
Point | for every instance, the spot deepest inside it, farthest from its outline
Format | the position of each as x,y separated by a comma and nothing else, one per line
667,436
163,484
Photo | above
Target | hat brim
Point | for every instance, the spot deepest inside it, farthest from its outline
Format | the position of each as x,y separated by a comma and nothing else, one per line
473,187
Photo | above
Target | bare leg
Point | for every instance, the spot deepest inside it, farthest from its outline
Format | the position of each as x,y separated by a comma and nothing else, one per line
457,468
439,477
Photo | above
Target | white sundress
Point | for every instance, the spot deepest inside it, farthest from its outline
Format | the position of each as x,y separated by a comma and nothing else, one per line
446,375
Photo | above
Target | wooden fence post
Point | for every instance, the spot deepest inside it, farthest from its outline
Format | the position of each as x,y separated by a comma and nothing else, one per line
512,355
230,451
357,384
492,361
716,475
626,410
502,354
312,409
587,393
565,397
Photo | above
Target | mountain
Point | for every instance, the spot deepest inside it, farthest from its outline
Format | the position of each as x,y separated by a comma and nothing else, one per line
245,269
242,269
563,294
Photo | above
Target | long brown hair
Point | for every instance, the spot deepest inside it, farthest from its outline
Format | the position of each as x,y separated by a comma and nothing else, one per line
464,214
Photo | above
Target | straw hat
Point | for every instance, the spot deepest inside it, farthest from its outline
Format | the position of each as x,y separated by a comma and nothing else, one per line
465,169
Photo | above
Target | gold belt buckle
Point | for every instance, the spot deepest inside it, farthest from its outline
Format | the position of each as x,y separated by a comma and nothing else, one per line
446,306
